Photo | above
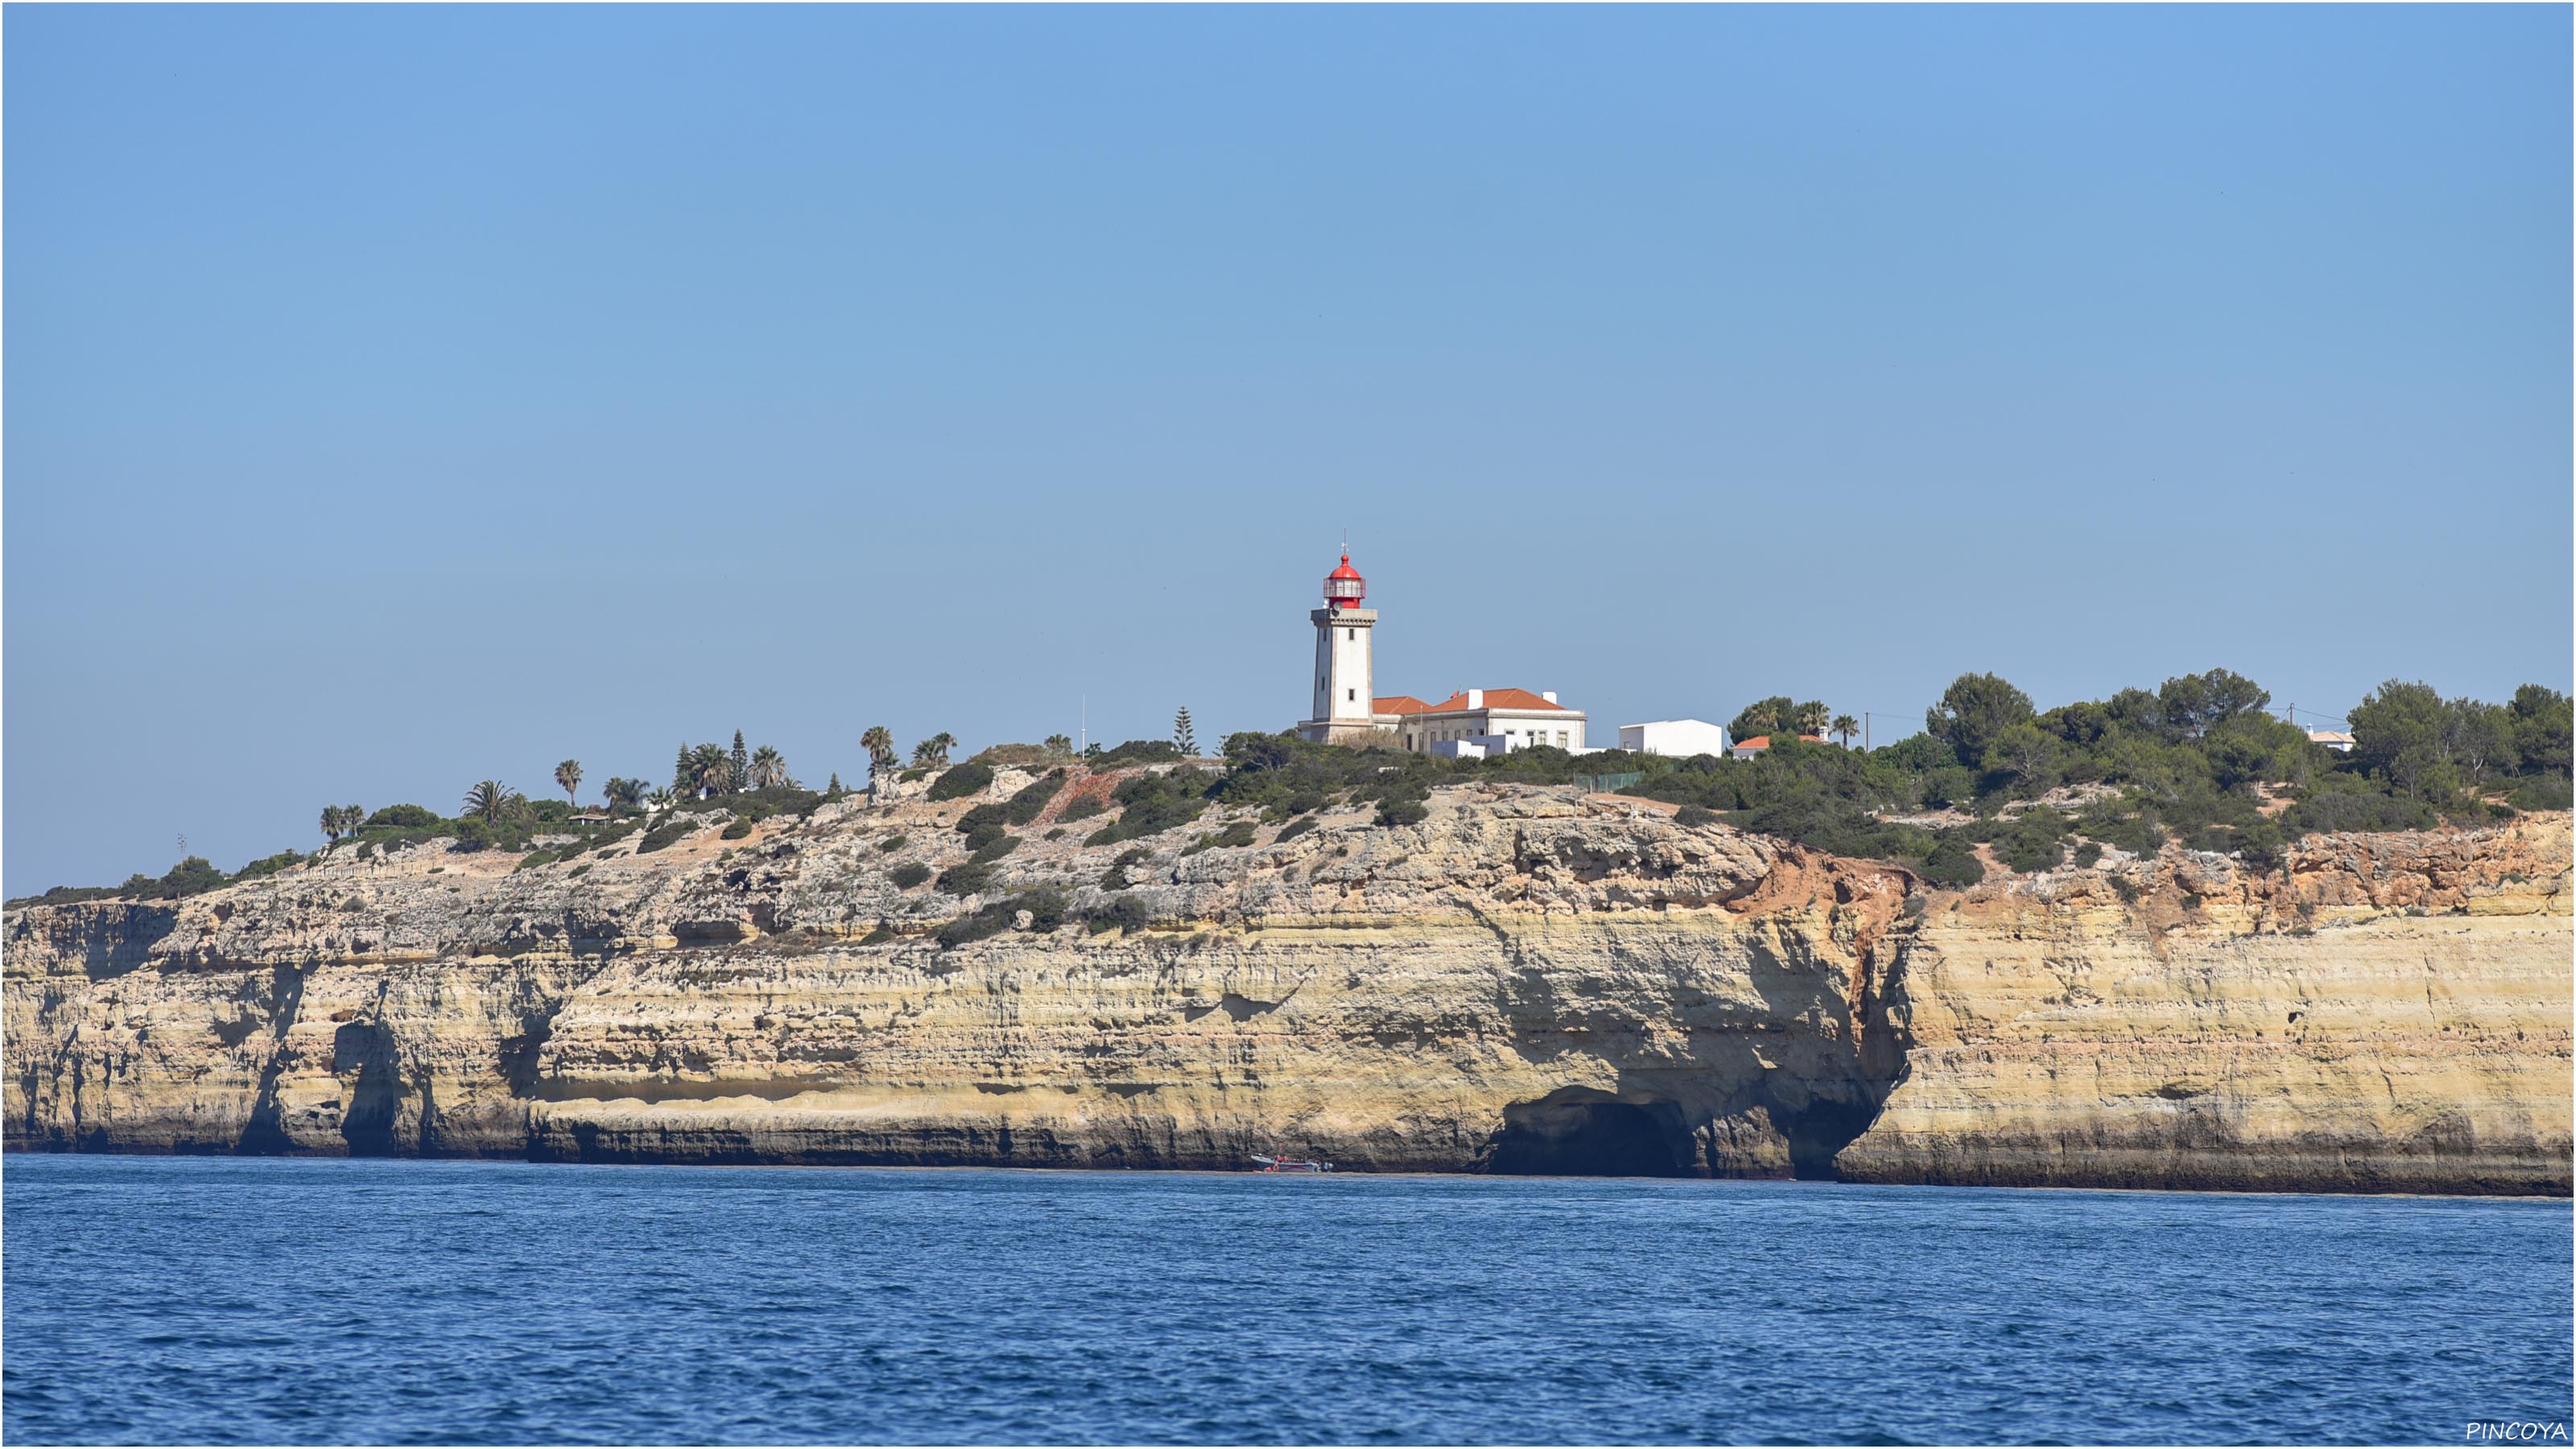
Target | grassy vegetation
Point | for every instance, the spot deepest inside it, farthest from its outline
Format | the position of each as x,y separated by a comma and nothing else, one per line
2197,760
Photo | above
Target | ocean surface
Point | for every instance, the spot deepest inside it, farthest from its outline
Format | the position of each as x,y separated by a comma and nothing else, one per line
227,1300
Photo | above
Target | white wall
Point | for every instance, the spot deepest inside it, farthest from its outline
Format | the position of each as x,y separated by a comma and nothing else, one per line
1677,739
1343,677
1499,730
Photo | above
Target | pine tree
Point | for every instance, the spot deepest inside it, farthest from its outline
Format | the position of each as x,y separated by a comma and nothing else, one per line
741,763
680,781
1183,739
835,787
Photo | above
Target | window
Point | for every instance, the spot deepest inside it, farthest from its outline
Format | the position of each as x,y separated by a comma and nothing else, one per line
1350,694
1560,739
1352,634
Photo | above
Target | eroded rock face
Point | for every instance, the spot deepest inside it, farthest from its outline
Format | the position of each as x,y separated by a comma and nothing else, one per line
2387,1013
1529,980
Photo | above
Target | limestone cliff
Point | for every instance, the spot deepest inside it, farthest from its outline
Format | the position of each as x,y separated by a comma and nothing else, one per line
1529,980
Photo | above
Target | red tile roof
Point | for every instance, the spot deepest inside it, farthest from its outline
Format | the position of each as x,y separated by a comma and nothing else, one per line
1396,704
1494,699
1763,742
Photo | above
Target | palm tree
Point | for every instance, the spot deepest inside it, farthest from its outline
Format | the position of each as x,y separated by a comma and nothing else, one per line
1059,744
710,771
879,743
490,802
333,821
934,750
768,768
568,775
1762,719
1846,727
623,792
659,795
1813,717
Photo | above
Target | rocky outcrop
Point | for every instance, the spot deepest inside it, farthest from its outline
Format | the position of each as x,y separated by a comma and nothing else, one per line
1529,980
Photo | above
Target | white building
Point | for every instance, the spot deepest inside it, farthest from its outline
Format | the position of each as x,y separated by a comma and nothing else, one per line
1677,739
1348,711
1498,720
2336,740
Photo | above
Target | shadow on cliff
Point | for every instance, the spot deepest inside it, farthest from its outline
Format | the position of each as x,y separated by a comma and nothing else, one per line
367,1123
1772,1090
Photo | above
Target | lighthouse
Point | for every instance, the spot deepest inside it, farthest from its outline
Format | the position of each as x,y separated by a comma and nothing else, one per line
1468,725
1344,705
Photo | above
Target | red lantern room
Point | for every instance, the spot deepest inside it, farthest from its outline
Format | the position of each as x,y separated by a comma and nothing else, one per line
1343,587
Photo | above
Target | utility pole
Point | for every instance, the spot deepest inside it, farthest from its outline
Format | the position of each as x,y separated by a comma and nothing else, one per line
1086,725
1864,732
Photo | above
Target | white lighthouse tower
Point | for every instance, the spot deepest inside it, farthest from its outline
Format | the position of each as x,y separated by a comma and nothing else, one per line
1344,703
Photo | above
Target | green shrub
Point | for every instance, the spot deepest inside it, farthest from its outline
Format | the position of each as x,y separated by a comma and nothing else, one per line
1154,804
1046,910
1402,810
1123,914
893,843
2259,844
670,832
878,937
1026,802
991,920
909,874
533,859
1295,828
1240,833
1136,752
1082,809
2088,854
967,878
913,774
403,817
739,830
982,826
578,870
67,895
2035,842
960,781
1116,878
1953,864
1693,816
267,865
2340,811
2542,792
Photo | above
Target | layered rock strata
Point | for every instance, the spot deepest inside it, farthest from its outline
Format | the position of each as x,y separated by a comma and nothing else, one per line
1529,980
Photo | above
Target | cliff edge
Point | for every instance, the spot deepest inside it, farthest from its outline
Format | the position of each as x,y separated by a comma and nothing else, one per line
1529,980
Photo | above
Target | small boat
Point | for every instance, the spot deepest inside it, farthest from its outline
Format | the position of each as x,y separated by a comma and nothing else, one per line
1280,1164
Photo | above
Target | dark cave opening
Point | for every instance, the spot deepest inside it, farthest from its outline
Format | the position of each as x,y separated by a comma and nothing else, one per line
1818,1132
1580,1133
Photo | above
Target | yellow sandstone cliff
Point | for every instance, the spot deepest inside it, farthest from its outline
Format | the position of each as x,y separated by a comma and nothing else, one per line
1529,980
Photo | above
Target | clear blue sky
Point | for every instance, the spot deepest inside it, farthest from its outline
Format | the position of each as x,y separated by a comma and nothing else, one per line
400,397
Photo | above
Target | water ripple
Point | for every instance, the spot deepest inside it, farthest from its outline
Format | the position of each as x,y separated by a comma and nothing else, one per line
254,1301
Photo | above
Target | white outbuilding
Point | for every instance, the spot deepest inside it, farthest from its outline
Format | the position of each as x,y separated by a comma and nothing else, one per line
1677,739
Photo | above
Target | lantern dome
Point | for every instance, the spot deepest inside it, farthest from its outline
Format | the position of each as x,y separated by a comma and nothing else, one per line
1343,587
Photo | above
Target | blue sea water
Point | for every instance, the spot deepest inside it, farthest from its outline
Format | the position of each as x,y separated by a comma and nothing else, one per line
264,1300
